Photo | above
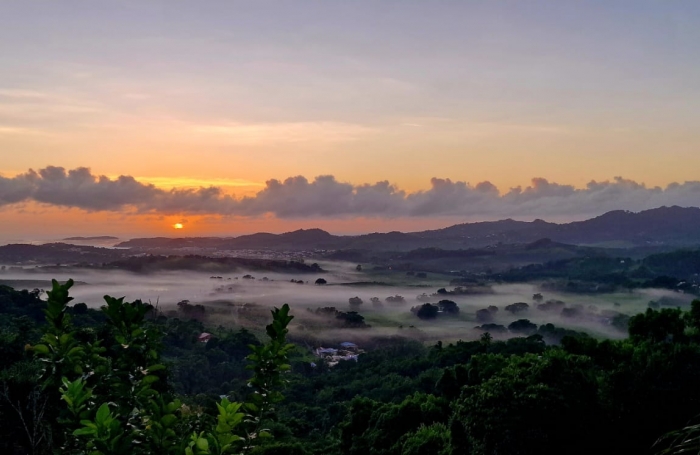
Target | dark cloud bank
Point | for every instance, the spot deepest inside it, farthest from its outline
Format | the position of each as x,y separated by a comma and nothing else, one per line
297,197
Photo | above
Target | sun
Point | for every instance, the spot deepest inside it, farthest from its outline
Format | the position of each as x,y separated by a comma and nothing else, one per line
178,225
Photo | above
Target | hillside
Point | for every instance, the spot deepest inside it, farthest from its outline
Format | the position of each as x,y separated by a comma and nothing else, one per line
664,226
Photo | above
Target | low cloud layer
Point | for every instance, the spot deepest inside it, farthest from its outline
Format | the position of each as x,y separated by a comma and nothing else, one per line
325,197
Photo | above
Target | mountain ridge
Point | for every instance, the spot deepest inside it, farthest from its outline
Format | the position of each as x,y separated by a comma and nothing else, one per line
673,226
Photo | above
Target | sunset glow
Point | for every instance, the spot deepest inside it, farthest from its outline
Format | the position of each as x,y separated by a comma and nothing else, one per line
451,226
220,120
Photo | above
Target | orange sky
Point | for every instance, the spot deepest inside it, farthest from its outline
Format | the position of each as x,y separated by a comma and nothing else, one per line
29,225
236,94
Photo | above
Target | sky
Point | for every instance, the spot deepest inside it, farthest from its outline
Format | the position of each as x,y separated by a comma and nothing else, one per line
228,117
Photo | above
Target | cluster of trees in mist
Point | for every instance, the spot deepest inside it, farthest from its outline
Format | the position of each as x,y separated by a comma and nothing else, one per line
127,379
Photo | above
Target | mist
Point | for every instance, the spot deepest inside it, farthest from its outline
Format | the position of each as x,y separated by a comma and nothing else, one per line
244,298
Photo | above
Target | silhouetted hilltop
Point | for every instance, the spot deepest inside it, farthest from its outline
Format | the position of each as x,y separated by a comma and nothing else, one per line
53,253
664,226
296,240
675,225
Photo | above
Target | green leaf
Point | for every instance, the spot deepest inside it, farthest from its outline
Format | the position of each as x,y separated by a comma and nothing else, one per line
103,414
202,444
150,379
40,348
84,431
168,420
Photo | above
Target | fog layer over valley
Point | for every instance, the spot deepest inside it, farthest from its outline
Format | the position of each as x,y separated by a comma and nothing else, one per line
430,286
386,301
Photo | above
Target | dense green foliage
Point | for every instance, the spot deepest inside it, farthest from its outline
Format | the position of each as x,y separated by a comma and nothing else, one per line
677,270
102,389
126,379
517,397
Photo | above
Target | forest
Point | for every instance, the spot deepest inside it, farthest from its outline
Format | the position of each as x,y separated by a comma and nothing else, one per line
349,227
126,378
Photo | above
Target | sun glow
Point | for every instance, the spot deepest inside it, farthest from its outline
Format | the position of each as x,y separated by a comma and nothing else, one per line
178,225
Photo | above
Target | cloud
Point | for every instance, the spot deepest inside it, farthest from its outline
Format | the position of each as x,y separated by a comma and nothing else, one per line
326,197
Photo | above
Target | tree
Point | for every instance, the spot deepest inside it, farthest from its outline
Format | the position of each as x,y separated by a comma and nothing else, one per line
526,404
428,440
321,281
427,311
351,319
517,307
693,316
523,326
395,299
373,427
486,338
191,311
552,306
448,306
355,301
666,324
115,390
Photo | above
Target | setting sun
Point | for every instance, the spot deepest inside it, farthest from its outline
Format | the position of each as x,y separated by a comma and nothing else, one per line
178,226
